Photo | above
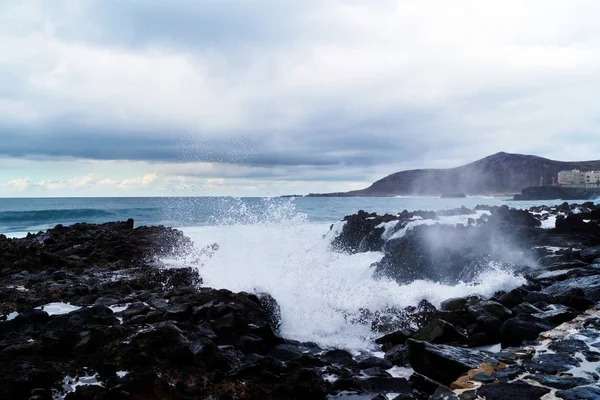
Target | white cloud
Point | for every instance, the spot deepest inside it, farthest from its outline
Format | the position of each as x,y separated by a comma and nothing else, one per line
400,83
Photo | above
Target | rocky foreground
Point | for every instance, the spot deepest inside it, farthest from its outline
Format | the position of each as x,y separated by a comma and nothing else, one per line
89,312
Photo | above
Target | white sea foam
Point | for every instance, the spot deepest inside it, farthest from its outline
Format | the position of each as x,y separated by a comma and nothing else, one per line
314,286
549,223
453,220
58,308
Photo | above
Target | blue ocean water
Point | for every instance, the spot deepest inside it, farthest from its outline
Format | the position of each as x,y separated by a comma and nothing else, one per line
21,215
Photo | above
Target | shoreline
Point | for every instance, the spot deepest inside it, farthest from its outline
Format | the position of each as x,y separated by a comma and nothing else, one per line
113,276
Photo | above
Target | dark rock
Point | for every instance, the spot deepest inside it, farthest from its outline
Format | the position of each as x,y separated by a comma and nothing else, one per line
513,298
589,254
589,284
375,362
556,316
444,363
376,372
564,382
522,327
508,373
591,356
525,308
272,308
106,301
286,352
393,339
135,309
398,355
580,393
579,303
505,357
440,331
516,390
536,297
551,363
568,346
454,304
490,307
340,357
483,377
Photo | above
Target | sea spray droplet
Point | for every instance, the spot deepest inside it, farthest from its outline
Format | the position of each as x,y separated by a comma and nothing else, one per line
316,288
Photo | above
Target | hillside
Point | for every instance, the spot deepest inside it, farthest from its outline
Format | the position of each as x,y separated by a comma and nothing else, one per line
498,173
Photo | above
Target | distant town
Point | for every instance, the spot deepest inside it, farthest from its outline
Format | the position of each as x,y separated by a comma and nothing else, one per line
579,179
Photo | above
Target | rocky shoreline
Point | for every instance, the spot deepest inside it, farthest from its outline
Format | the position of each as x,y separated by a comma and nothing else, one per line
90,312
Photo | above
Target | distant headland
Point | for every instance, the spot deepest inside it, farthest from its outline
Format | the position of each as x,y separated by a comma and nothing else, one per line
501,173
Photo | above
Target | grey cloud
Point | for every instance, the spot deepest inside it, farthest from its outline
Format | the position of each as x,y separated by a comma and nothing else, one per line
191,24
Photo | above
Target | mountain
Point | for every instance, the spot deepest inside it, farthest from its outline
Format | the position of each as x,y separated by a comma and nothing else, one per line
495,174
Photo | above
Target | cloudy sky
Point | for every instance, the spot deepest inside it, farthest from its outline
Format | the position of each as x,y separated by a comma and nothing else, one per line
257,97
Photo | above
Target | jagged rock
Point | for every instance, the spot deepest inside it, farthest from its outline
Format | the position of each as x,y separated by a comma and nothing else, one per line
516,390
483,377
589,284
513,298
565,382
454,304
340,357
525,308
522,327
568,346
557,315
393,339
398,355
489,307
508,373
551,363
580,393
444,363
440,331
375,362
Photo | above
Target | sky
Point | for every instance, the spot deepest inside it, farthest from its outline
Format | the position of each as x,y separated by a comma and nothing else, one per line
263,98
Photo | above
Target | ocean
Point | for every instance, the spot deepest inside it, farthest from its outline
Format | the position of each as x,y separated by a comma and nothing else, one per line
280,246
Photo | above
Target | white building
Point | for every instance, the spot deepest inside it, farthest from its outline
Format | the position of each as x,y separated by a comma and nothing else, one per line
574,178
577,178
592,179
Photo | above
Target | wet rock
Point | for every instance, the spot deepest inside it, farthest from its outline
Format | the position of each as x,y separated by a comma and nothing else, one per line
490,307
580,393
513,298
516,390
375,362
557,315
454,304
286,352
483,377
565,382
508,373
340,357
525,308
536,297
444,363
589,254
522,327
551,363
398,355
589,284
440,331
272,308
135,309
391,340
568,346
106,301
